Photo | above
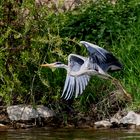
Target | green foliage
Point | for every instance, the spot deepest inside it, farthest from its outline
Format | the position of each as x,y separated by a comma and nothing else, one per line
116,28
32,35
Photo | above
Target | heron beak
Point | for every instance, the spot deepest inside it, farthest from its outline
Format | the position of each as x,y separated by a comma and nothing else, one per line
48,65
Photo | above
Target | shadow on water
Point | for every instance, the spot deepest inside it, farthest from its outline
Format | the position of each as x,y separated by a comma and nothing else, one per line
69,134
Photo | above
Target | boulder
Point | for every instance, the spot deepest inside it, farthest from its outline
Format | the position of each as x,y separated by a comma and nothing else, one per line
115,120
131,118
103,124
27,112
44,111
3,127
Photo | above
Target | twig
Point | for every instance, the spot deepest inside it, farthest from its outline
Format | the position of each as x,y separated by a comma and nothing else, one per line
118,84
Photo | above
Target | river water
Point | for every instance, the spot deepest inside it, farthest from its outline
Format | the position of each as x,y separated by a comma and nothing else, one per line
69,134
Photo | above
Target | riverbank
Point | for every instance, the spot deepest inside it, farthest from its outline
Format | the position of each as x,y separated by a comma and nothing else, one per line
107,113
27,116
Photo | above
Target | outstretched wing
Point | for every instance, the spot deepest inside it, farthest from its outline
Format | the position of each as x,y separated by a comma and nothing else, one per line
102,57
74,85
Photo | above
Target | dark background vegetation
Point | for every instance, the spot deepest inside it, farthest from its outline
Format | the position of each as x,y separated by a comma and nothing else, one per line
31,35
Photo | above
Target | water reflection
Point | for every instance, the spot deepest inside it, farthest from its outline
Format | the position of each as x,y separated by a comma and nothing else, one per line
69,134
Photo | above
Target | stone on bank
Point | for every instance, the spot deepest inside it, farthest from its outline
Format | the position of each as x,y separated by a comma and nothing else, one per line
27,112
131,118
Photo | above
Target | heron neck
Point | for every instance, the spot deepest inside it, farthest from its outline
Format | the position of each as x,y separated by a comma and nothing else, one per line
64,67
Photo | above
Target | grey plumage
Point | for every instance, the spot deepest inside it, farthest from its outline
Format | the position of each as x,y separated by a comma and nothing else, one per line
106,60
75,82
78,75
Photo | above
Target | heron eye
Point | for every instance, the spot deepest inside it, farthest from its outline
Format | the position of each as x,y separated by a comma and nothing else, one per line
58,63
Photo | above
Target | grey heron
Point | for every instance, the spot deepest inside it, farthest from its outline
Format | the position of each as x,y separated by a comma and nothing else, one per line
80,69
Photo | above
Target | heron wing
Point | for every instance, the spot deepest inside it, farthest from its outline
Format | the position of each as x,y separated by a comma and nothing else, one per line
106,60
81,83
74,85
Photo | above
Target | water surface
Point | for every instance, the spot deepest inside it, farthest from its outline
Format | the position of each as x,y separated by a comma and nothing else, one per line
69,134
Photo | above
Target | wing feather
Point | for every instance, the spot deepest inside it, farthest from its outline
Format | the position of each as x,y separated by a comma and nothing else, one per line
106,60
85,81
65,86
69,89
77,88
80,84
87,78
74,85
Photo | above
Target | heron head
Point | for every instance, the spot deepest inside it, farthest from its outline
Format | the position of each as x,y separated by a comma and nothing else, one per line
84,43
53,65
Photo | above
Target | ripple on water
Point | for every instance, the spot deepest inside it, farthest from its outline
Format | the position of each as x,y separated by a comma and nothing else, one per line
69,134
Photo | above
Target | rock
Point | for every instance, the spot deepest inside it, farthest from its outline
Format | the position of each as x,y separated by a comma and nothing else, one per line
3,127
45,112
103,124
71,4
131,118
114,120
22,112
22,125
59,5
